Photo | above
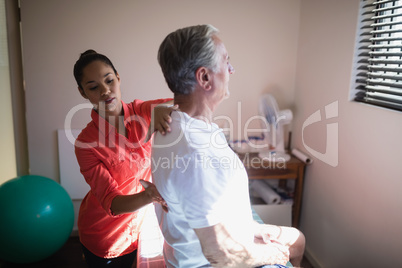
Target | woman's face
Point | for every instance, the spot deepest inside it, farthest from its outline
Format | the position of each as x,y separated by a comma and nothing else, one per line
101,86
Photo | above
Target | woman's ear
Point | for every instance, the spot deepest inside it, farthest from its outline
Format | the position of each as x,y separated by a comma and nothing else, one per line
82,93
118,76
203,77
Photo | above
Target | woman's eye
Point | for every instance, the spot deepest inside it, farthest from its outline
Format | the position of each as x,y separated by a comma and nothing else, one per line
109,81
93,88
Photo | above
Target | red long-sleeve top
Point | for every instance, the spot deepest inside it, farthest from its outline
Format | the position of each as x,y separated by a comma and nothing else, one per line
113,165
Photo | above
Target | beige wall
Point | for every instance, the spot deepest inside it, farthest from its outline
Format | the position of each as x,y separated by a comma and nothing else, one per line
351,213
8,166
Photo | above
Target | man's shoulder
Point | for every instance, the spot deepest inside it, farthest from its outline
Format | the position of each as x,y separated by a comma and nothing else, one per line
176,139
170,140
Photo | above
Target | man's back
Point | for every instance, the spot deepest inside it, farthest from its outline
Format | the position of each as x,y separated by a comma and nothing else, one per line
204,183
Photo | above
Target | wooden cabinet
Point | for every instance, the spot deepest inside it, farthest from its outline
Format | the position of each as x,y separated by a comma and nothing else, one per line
292,169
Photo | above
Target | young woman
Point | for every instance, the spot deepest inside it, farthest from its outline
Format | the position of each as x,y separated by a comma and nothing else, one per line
113,153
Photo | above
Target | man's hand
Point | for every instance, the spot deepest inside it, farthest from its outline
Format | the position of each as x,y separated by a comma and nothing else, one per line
268,235
278,253
221,250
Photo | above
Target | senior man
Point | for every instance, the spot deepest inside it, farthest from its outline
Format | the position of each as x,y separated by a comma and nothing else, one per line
209,223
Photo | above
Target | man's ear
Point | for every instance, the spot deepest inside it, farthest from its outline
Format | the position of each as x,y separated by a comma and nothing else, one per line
203,77
82,93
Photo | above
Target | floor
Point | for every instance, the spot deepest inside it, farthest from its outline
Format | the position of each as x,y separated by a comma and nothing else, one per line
70,256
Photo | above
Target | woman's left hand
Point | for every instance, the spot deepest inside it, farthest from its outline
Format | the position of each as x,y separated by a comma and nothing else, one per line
161,119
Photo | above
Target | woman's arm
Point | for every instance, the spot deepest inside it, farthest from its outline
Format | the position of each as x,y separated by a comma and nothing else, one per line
129,203
122,204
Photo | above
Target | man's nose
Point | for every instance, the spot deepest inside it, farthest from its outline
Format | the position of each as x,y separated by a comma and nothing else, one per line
231,69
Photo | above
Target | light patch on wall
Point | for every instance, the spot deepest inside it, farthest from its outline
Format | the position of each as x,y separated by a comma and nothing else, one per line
8,165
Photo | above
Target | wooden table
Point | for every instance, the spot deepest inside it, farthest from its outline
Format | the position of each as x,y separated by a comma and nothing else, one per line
292,169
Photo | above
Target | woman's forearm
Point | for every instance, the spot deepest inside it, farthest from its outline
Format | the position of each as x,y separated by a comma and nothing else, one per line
122,204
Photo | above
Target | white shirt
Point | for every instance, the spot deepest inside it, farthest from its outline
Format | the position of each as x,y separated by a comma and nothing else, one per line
204,183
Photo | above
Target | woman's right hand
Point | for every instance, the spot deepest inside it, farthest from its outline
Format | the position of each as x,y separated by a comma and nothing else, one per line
153,194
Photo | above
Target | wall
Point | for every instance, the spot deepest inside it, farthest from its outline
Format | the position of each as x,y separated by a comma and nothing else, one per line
351,212
261,37
7,157
8,166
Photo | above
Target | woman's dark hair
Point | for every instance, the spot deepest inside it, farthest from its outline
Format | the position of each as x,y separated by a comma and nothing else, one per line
86,58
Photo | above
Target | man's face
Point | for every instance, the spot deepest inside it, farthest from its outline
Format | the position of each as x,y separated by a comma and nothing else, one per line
220,79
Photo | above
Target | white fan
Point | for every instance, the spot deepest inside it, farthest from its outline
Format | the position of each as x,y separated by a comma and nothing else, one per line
274,120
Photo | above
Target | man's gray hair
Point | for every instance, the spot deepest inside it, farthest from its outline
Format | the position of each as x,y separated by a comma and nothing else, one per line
185,50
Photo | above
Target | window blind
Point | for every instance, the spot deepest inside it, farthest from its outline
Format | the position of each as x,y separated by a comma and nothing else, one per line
379,54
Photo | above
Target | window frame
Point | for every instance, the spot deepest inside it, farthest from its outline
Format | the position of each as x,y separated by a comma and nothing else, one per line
377,71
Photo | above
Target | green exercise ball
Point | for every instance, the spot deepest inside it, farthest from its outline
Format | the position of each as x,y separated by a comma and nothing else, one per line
37,217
